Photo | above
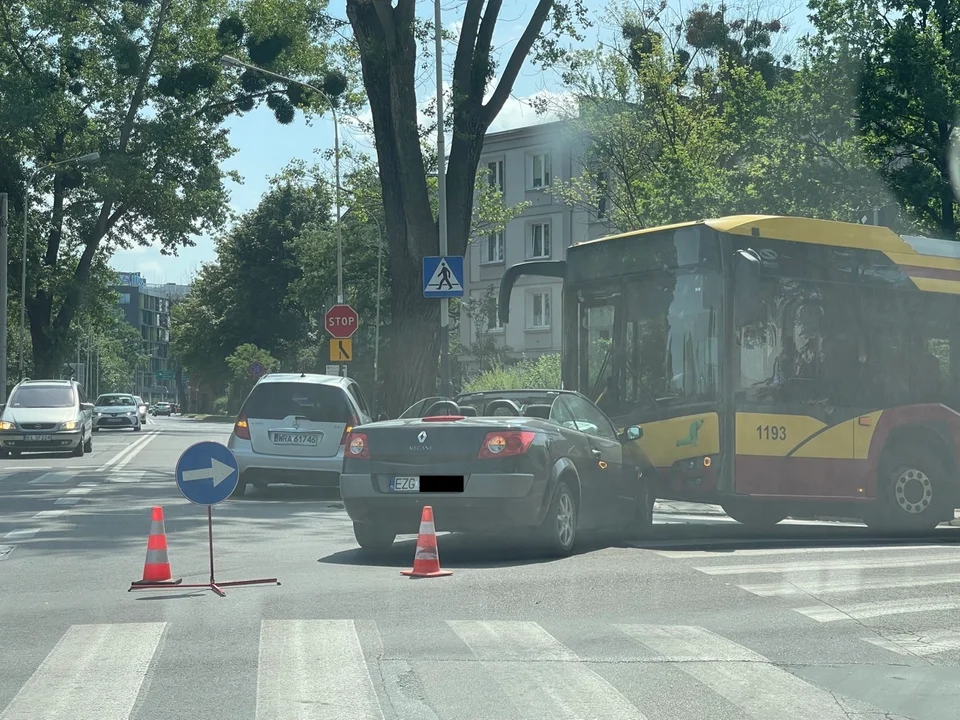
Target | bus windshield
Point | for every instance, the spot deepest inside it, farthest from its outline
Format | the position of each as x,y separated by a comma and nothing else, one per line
666,350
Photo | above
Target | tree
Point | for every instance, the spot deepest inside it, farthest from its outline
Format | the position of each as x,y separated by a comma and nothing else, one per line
241,381
141,83
249,295
386,37
900,58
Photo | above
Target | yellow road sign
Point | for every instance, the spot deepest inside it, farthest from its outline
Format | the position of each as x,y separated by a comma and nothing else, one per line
341,350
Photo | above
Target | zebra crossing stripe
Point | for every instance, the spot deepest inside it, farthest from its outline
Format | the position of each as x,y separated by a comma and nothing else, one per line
541,676
313,670
745,678
94,673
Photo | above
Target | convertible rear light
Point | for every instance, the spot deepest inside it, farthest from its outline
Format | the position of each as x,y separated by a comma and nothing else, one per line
442,418
505,443
240,428
358,447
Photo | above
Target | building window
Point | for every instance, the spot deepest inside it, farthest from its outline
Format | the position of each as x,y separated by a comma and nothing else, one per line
493,318
495,174
540,240
124,298
540,310
603,196
493,252
542,170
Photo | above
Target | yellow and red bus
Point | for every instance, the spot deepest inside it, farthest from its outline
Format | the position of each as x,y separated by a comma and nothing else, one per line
778,366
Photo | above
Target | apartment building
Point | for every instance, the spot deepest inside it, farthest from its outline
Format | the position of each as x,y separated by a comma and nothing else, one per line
147,308
525,163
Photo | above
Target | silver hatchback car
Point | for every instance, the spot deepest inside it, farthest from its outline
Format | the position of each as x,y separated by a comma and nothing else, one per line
46,416
292,427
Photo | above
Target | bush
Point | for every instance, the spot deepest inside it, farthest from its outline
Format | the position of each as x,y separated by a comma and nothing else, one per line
541,373
221,406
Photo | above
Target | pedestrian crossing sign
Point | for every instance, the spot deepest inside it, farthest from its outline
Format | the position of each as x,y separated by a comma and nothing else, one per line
443,276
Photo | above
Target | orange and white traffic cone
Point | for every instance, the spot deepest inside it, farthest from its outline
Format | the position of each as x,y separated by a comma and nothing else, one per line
426,563
156,568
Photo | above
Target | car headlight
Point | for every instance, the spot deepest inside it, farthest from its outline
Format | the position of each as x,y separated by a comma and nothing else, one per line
4,425
97,414
70,425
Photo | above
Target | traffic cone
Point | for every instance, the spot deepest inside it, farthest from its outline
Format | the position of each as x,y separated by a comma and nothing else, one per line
426,563
156,568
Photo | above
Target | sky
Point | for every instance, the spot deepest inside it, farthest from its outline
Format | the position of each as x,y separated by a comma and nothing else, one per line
264,147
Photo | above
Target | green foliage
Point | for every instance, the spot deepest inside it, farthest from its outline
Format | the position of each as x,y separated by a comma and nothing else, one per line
241,381
142,84
899,59
543,372
702,119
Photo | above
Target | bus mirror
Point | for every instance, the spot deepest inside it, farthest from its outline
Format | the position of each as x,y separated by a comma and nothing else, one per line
748,308
632,433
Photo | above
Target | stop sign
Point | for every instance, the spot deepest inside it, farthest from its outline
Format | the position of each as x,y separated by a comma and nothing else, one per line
341,321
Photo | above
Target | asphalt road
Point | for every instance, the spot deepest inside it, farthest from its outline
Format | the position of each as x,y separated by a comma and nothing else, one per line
702,622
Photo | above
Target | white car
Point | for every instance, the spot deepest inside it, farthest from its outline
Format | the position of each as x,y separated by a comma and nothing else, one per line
116,411
141,409
292,427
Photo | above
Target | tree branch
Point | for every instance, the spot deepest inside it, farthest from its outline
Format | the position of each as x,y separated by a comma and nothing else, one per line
517,59
481,63
136,101
463,63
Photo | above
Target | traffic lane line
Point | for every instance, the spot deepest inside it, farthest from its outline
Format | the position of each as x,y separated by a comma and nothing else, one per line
129,452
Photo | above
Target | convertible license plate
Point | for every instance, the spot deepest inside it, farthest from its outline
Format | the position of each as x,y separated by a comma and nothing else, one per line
39,438
405,484
296,439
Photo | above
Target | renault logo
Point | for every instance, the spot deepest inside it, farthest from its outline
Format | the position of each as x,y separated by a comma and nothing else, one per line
422,437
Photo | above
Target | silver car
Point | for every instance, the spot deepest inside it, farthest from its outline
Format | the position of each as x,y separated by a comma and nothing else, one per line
46,416
141,409
116,410
291,430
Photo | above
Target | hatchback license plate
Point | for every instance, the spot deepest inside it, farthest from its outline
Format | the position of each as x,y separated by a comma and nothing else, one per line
39,438
296,439
405,484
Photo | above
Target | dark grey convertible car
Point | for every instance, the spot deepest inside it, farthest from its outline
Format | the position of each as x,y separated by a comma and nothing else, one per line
548,460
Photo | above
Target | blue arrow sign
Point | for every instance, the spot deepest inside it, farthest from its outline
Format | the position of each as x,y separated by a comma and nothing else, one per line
443,276
207,473
257,369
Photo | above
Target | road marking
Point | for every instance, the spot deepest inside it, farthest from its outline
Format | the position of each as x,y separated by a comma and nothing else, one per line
21,534
826,565
128,453
313,670
756,552
127,476
84,489
932,643
27,467
52,478
67,501
47,514
745,678
542,677
867,610
94,673
843,583
89,485
6,551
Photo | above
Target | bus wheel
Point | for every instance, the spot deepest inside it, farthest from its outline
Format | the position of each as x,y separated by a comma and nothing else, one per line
755,515
910,490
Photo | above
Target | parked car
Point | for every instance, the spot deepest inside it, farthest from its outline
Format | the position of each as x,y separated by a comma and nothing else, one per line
291,429
142,408
44,416
116,411
547,460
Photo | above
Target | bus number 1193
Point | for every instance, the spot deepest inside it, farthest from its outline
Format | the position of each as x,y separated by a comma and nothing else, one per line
771,432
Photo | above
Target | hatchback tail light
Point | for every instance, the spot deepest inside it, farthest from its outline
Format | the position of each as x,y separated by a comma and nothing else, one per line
240,428
506,443
358,447
354,420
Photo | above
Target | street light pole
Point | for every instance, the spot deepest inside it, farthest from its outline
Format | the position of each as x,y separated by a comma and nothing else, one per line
235,63
80,160
442,204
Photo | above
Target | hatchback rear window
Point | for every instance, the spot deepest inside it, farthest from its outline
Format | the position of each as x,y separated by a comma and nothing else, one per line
316,403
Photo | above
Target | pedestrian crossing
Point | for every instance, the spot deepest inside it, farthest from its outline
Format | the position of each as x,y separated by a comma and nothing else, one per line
850,583
343,669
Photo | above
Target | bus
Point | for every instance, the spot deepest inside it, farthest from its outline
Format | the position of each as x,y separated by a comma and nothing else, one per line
777,366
